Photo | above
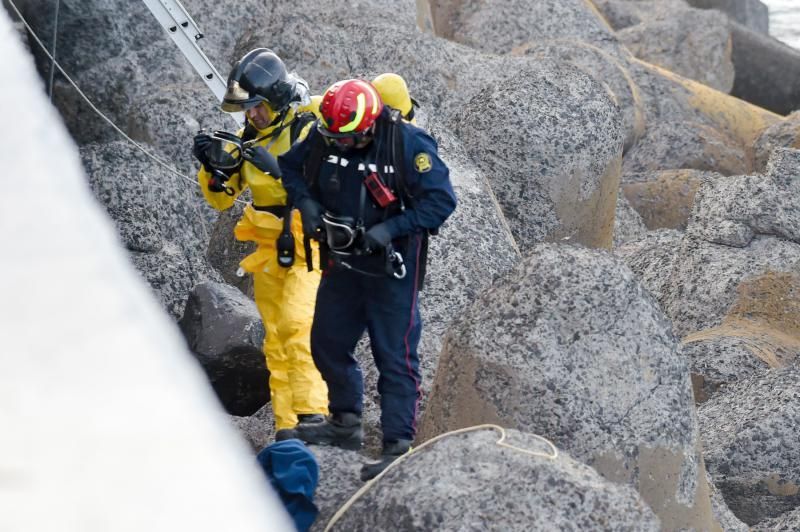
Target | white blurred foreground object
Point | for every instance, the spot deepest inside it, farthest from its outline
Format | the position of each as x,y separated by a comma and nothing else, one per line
106,422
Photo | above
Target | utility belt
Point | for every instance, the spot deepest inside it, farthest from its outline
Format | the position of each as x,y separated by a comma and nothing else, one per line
344,238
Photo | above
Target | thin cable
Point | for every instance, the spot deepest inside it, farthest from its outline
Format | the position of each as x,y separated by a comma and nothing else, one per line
100,113
55,41
501,442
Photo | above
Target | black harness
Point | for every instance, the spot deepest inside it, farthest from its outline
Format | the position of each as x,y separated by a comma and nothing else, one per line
390,139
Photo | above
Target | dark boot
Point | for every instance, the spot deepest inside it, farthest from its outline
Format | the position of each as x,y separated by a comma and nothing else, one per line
340,429
391,452
285,434
310,418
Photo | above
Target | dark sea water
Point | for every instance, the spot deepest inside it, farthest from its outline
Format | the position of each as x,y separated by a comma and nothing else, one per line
784,20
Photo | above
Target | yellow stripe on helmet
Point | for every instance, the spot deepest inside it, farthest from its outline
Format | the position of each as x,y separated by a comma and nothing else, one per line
360,110
375,98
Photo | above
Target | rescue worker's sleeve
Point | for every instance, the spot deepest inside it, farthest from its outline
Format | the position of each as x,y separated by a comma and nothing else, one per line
220,200
291,164
428,181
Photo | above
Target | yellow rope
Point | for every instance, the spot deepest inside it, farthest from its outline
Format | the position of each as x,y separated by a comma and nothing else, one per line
501,442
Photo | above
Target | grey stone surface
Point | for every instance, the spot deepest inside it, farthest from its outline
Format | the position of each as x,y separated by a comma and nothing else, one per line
784,134
468,482
652,259
732,210
628,225
571,346
726,519
705,277
668,145
716,360
107,422
786,522
224,331
339,479
664,199
767,71
749,439
556,172
621,14
753,14
606,68
258,429
159,216
693,43
500,26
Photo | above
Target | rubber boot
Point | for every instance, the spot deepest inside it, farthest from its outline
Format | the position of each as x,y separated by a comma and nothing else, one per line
391,452
340,429
285,434
310,418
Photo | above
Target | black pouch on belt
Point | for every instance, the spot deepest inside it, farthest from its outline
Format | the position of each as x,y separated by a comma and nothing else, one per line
285,243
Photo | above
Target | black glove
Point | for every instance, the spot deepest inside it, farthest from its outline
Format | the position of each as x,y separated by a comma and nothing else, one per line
376,238
259,157
202,141
311,214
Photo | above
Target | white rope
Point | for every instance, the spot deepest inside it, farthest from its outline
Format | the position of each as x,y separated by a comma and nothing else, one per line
501,442
102,115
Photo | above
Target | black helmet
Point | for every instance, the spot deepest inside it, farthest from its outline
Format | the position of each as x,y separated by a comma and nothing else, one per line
259,76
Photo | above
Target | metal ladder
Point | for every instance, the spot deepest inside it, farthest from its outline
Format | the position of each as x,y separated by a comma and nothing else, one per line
185,33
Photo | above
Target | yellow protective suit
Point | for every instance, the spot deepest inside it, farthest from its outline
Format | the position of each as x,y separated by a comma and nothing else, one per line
284,296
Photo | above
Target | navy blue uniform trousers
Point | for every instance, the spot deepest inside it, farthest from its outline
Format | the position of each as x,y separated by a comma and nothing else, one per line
348,303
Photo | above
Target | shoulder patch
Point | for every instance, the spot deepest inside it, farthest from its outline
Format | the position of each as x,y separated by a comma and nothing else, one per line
422,162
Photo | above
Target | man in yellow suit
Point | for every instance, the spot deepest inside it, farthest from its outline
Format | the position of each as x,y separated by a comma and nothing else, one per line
279,110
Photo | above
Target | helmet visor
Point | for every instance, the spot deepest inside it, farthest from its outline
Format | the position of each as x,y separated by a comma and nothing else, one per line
345,141
238,100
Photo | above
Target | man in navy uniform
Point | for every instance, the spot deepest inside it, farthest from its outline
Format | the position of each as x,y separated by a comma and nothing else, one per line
371,187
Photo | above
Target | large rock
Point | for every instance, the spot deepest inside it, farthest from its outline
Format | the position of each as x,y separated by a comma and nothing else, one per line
749,440
753,14
621,14
605,68
107,421
743,230
224,331
784,134
664,199
669,145
159,216
628,225
693,43
732,211
339,480
652,258
518,485
556,172
767,71
569,345
513,24
786,522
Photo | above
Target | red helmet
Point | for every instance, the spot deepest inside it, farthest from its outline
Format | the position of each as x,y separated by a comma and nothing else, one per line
349,108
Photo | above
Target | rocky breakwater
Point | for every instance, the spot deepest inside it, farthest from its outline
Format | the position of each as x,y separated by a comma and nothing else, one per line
670,122
518,484
750,432
730,284
571,346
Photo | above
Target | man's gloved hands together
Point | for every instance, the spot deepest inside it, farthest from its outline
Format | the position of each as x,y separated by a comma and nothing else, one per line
311,214
262,159
202,141
376,238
